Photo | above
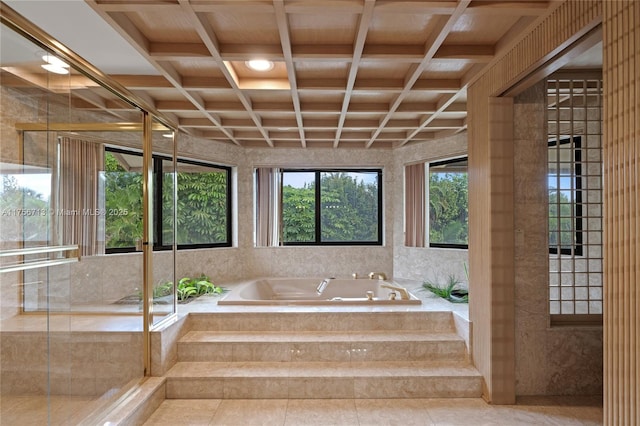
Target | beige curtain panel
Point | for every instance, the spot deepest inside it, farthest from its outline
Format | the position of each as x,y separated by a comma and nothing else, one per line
79,214
268,207
415,205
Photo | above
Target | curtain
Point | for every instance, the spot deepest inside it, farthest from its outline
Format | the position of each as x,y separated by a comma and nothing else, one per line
268,206
415,205
79,209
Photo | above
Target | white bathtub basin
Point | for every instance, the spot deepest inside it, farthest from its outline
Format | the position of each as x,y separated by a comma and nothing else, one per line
303,291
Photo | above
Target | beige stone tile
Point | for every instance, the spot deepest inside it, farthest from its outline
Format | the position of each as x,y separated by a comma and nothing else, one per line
321,351
392,412
560,410
328,387
221,352
463,412
192,412
195,388
321,412
251,412
256,388
271,352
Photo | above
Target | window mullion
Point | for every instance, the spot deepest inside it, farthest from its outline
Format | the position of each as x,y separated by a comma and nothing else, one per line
318,209
157,203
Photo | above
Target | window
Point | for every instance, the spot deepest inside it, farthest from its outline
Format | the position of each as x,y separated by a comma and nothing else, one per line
123,200
574,179
331,207
565,196
204,202
448,204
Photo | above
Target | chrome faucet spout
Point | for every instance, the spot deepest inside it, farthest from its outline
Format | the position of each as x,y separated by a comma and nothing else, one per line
404,294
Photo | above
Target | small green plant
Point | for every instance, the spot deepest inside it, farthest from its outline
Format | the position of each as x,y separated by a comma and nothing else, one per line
195,287
188,288
449,290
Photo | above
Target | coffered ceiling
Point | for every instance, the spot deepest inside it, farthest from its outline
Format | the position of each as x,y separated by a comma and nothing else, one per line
346,73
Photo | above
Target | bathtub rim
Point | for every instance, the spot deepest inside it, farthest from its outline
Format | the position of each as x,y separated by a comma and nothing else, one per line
232,297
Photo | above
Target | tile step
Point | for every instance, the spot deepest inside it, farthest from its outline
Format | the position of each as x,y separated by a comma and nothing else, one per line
317,346
315,336
323,380
425,321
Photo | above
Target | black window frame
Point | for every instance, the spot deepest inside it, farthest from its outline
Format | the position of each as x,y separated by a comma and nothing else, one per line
318,206
158,244
442,163
576,248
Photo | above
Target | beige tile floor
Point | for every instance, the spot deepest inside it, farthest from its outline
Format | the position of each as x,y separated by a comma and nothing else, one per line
377,412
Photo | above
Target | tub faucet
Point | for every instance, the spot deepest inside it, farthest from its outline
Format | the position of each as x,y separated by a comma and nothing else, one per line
380,275
404,294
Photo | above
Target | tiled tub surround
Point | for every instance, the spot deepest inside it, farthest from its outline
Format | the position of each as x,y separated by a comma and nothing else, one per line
318,291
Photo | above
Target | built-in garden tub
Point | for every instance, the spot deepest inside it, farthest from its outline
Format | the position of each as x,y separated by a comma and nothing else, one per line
319,291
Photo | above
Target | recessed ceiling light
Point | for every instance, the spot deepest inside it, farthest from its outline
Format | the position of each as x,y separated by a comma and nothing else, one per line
55,69
260,64
55,64
54,60
167,135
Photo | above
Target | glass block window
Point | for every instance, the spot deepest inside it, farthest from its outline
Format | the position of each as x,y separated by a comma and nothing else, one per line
574,182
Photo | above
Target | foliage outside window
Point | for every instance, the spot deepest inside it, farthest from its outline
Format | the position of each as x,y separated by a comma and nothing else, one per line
204,200
332,207
448,204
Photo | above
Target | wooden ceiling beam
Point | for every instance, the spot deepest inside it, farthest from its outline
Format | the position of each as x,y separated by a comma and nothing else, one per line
310,7
205,83
137,6
218,106
444,123
244,52
504,7
175,106
280,123
437,85
273,107
177,50
424,107
215,6
416,7
379,84
195,122
331,52
369,107
142,82
470,52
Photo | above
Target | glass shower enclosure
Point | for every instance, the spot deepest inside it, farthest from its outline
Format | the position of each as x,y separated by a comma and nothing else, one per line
77,268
